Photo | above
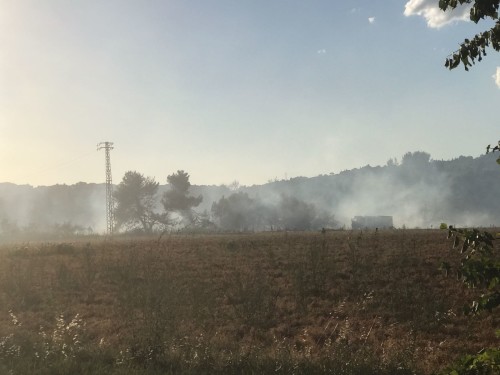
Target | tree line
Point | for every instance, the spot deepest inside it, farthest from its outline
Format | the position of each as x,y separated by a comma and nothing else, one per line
140,207
136,199
416,190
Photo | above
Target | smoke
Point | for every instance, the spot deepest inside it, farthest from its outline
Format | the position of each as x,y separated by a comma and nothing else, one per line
27,209
409,193
416,192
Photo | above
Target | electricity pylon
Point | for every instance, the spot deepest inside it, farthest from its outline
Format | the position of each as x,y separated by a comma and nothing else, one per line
110,217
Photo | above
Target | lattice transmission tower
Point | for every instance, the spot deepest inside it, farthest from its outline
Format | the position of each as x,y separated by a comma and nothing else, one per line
110,216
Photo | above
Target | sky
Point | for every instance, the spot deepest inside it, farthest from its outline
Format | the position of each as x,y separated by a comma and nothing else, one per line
235,90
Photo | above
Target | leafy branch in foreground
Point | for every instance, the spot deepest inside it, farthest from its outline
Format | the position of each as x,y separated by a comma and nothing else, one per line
486,362
496,148
479,267
475,48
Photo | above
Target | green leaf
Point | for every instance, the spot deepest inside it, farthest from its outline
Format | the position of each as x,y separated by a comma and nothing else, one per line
494,282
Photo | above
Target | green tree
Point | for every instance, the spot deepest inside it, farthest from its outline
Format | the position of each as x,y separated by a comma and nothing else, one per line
416,159
136,199
238,212
177,198
296,214
474,49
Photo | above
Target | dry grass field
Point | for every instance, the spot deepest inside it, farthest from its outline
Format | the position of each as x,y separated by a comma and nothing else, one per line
340,302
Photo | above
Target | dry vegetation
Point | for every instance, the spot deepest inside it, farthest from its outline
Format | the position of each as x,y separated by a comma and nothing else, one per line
339,302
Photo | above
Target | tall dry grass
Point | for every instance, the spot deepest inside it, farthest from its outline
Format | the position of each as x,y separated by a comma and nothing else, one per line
292,303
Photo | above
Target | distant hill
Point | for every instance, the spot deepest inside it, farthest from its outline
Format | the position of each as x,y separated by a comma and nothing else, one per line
417,192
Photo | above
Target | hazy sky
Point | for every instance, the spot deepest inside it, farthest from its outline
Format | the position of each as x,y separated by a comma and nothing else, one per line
247,90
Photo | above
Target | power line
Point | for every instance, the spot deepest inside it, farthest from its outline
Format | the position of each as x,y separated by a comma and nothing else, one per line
42,171
110,219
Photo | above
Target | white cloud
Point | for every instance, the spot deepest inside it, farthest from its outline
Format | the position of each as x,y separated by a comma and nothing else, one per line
371,19
321,51
496,77
435,17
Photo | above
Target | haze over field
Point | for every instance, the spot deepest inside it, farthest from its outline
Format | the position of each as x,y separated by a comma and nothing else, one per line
416,190
247,90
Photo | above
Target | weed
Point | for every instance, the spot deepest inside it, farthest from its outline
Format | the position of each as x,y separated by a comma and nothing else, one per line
252,297
284,303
